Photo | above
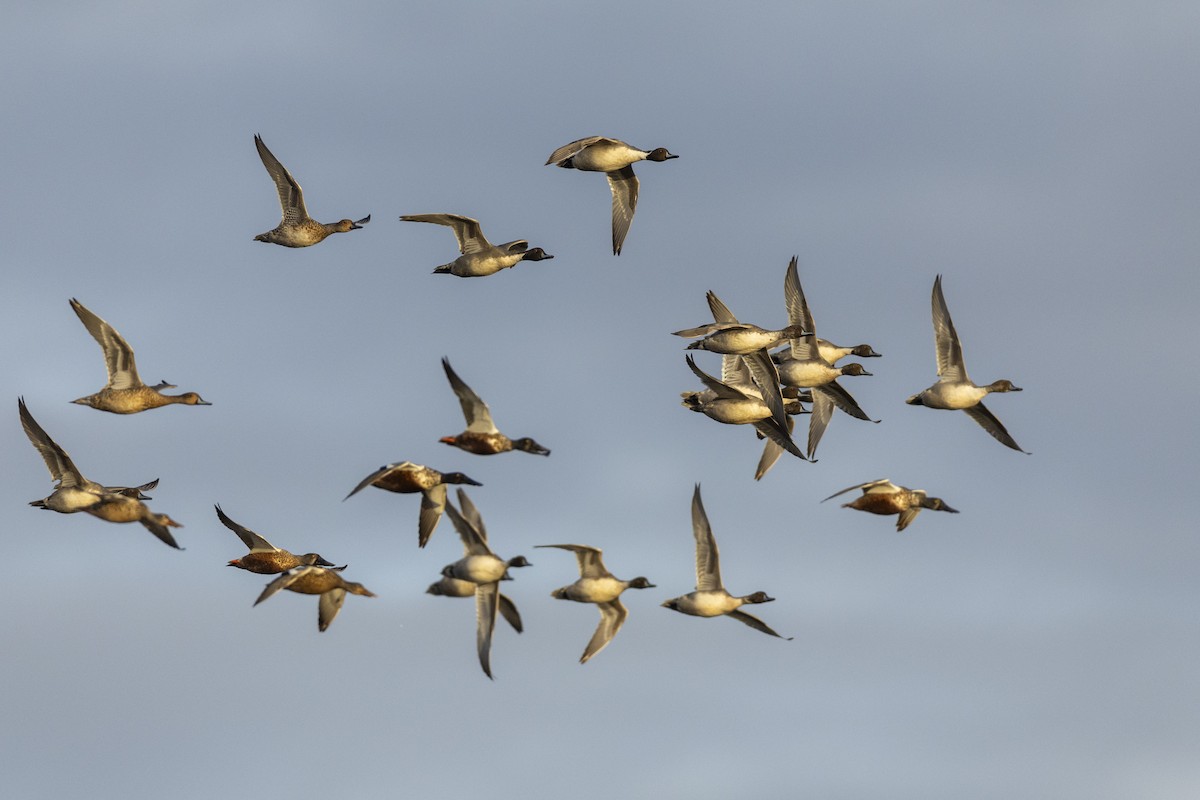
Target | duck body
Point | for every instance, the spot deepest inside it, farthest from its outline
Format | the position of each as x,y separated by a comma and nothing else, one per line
741,338
713,603
405,477
69,500
478,265
732,411
807,373
121,508
833,353
483,443
592,590
306,233
602,154
136,399
479,568
958,395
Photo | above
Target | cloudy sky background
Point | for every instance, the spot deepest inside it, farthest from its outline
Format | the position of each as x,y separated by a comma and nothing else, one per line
1042,643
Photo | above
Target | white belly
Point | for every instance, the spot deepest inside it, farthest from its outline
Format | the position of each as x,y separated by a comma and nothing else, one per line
708,604
955,396
737,412
606,158
806,373
479,569
595,590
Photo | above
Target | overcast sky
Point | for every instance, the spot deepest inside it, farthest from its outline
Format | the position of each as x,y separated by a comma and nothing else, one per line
1040,157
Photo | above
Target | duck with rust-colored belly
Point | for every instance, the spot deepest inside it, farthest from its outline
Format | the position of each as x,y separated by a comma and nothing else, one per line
264,558
482,437
405,477
886,498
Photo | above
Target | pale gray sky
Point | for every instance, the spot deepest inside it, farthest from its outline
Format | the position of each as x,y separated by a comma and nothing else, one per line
1042,643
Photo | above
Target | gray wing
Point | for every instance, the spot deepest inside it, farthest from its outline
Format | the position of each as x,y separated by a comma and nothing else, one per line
118,355
624,186
62,469
766,376
284,580
591,564
291,197
160,530
720,311
569,150
778,436
735,372
370,479
256,543
466,230
433,503
708,559
136,492
612,617
328,606
818,420
756,623
985,418
471,514
906,517
733,369
708,328
772,450
950,364
476,412
473,543
508,610
838,395
486,603
866,487
721,390
798,314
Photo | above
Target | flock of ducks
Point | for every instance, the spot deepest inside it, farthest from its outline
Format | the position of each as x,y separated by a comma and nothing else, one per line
757,387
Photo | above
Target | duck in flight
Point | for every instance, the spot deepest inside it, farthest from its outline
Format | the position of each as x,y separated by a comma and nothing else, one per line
479,256
886,498
954,390
710,598
125,393
600,587
482,437
297,228
616,159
